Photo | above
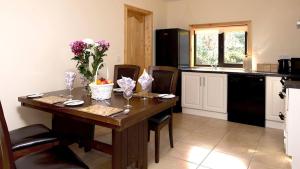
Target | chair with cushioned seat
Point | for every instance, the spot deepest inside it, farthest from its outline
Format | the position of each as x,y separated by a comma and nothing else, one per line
165,81
30,139
55,158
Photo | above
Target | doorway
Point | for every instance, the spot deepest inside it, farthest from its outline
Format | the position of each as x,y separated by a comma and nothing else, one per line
138,37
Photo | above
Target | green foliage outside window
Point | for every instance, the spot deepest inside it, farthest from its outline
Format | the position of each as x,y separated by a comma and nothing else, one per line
207,47
234,47
207,51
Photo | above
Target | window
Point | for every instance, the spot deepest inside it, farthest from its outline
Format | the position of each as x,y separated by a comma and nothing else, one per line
222,44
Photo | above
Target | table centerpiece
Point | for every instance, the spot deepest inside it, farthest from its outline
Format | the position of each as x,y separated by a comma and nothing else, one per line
83,51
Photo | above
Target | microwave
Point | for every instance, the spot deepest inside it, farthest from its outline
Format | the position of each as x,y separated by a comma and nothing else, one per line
295,66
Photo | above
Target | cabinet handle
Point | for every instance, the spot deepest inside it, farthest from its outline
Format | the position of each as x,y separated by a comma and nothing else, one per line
203,81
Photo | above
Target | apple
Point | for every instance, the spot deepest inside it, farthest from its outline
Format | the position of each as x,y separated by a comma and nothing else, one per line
102,81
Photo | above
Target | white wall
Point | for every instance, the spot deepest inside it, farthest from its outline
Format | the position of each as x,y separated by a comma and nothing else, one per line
273,21
34,39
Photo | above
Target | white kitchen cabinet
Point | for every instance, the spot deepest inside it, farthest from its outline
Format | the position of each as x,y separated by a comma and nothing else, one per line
215,92
204,91
292,126
274,104
192,90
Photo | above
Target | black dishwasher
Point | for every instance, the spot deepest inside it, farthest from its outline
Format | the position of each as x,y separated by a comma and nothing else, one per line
246,99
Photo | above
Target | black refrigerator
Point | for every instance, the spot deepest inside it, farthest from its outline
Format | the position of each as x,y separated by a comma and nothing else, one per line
172,49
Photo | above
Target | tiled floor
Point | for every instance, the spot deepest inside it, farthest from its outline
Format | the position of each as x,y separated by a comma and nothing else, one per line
206,143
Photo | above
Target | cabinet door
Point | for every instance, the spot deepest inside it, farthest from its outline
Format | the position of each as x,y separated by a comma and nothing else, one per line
292,122
191,90
274,104
215,92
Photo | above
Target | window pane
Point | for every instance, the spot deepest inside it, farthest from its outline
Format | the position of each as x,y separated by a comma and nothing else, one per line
234,47
207,51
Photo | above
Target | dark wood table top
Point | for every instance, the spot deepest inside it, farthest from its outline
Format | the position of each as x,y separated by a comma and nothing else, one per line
141,110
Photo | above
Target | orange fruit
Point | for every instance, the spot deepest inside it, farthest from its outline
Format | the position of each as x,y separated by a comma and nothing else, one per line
98,82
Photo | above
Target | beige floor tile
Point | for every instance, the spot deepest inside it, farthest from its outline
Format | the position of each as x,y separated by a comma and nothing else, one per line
273,159
202,167
105,138
189,126
217,129
193,154
271,145
94,159
239,151
220,160
179,133
172,163
202,140
258,165
205,143
240,139
272,132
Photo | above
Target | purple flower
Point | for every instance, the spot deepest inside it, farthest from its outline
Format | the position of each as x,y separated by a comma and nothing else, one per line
78,47
103,45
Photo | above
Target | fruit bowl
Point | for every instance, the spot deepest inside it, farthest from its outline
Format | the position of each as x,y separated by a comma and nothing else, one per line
101,91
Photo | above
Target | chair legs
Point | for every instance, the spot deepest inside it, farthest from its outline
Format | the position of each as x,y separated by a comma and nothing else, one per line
171,132
157,143
148,135
156,129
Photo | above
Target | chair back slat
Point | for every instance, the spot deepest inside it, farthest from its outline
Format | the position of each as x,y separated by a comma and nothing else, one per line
165,79
6,156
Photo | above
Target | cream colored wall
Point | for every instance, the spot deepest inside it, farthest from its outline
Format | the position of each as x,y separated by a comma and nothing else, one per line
273,21
34,38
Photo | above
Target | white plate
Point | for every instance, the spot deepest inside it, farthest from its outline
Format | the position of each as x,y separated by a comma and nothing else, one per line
118,90
162,95
35,95
73,102
169,96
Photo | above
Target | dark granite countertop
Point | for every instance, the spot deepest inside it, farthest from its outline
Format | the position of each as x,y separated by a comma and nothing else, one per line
292,84
228,71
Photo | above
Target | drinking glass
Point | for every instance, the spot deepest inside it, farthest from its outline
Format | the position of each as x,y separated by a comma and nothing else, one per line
69,81
145,91
127,94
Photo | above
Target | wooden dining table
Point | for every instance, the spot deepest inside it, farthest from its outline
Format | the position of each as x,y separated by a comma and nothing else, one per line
129,131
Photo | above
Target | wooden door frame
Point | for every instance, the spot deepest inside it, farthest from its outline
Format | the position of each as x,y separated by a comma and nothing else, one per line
148,33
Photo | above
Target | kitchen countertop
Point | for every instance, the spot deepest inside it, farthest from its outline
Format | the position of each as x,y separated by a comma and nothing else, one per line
292,84
224,70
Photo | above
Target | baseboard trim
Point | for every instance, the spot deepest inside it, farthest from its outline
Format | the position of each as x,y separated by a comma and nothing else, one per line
223,116
274,124
198,112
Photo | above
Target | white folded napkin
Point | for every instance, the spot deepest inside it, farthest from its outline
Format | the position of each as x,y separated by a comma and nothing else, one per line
126,83
145,80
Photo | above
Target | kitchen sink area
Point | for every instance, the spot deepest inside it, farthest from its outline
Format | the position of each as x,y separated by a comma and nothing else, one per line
233,94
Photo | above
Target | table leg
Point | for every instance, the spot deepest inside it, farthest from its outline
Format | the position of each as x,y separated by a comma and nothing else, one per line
130,147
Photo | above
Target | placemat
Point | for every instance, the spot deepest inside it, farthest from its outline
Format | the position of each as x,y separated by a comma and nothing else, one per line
101,110
148,95
51,99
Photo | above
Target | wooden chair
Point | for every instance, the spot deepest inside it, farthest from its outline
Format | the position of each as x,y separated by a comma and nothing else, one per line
30,139
54,158
131,71
165,81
